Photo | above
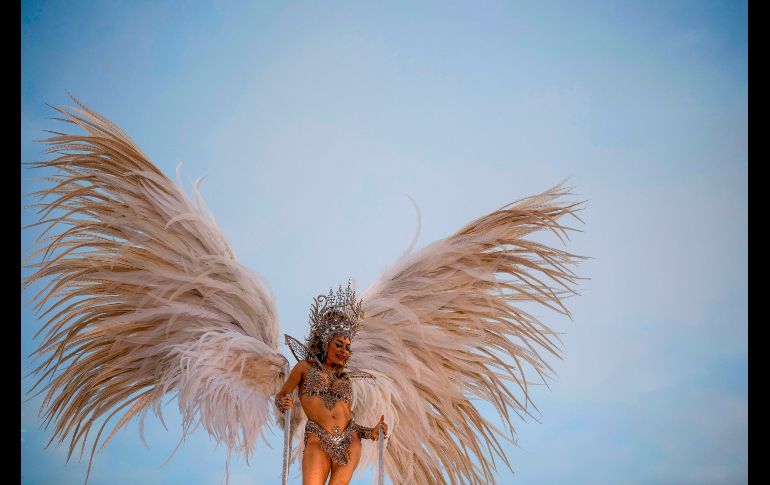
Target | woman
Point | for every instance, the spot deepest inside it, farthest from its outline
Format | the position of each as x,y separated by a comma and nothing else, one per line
332,437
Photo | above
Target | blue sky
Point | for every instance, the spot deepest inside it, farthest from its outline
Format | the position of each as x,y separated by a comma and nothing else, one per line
313,121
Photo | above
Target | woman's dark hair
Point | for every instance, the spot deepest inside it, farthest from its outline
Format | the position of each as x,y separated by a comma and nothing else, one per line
315,345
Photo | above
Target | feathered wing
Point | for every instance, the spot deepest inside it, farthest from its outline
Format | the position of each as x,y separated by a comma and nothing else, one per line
146,299
445,325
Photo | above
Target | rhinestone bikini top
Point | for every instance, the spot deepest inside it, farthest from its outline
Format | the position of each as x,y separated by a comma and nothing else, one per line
331,389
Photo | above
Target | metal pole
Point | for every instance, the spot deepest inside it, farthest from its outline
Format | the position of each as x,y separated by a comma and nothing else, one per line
381,468
286,443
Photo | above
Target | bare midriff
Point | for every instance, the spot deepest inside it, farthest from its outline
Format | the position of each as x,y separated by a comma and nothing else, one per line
326,418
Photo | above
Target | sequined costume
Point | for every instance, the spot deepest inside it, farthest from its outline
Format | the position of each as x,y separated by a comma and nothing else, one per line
332,389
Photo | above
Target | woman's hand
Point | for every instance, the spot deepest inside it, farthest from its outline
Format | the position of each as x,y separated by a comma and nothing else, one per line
286,402
382,425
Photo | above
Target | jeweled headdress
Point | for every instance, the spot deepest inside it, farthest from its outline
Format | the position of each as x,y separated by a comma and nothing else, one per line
335,314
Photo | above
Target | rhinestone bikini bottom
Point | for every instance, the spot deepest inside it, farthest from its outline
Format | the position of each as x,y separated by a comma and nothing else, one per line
334,445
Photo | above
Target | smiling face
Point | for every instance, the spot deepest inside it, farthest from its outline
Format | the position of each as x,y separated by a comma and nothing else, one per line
338,352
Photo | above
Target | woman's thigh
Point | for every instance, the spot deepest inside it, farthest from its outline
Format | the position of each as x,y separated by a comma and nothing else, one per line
315,462
341,474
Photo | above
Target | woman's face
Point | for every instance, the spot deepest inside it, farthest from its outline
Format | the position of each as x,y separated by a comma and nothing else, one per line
338,351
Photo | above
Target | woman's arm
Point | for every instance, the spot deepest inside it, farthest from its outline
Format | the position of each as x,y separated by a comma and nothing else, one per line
282,402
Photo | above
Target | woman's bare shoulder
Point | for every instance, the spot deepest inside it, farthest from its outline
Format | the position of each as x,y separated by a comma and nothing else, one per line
300,368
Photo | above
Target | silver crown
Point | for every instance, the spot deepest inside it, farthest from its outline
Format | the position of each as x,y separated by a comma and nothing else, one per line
336,314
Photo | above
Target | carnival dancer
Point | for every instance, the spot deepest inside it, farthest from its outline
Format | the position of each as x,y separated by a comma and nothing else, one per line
332,439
